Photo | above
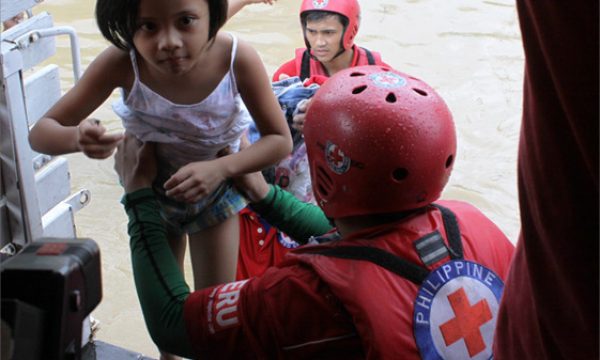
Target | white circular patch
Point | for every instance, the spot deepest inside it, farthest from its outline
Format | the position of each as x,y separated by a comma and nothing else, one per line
388,80
455,312
336,159
320,4
286,241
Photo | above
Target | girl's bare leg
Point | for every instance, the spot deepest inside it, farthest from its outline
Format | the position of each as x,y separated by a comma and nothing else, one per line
214,253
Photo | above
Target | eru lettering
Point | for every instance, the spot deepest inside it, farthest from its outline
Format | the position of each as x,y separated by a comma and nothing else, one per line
226,304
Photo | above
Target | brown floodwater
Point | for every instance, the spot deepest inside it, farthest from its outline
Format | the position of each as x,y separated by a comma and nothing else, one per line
470,52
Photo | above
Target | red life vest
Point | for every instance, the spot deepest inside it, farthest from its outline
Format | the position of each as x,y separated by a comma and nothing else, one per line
306,66
387,327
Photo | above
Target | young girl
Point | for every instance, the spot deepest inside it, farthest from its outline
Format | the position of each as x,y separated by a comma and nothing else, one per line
183,83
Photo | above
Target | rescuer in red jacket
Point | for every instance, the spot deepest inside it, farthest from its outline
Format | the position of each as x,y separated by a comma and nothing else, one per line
329,28
404,276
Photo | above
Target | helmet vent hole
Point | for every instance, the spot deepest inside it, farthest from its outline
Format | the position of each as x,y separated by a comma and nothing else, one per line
359,89
355,74
400,174
449,161
391,98
324,182
323,192
420,92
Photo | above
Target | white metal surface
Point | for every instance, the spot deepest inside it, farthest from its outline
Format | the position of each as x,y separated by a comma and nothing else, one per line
52,178
35,197
10,8
17,171
35,189
59,220
42,90
24,41
21,53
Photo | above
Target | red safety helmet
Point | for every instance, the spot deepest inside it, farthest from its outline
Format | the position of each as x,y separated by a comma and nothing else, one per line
378,141
347,8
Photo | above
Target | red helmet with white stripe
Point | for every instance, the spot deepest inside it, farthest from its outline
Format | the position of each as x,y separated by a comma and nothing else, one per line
378,141
346,8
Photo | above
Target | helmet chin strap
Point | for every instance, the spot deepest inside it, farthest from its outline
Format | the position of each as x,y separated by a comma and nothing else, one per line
342,50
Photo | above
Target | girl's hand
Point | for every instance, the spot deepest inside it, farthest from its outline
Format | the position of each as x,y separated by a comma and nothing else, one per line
194,181
234,6
93,140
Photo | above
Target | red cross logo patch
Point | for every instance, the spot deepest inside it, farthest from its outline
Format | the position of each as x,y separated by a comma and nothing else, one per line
320,4
455,312
336,159
387,79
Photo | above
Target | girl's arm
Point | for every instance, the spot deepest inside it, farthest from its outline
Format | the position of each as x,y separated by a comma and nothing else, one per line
58,131
255,88
195,180
235,6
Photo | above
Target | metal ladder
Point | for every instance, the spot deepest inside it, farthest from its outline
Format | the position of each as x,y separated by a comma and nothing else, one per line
35,190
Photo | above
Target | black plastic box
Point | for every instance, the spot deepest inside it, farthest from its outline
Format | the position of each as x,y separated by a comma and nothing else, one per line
61,277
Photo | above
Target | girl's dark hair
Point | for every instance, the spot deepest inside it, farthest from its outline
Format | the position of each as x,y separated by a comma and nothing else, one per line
117,20
217,10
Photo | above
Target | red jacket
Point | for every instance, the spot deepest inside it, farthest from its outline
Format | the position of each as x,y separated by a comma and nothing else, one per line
315,305
293,67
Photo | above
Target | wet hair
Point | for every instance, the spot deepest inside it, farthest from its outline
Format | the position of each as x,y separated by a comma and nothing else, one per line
117,20
318,15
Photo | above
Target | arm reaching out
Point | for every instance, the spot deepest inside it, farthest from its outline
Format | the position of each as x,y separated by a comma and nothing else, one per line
66,128
283,210
160,286
236,5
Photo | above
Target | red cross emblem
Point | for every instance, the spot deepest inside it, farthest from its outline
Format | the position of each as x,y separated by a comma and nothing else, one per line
388,80
319,4
336,159
444,315
336,156
467,322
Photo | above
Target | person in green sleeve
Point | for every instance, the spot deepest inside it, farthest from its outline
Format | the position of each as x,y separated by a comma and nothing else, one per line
400,266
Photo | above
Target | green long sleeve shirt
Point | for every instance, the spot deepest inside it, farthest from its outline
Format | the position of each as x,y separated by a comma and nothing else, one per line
160,285
297,219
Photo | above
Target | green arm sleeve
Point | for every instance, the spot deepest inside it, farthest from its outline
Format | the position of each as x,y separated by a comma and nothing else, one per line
161,288
299,220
